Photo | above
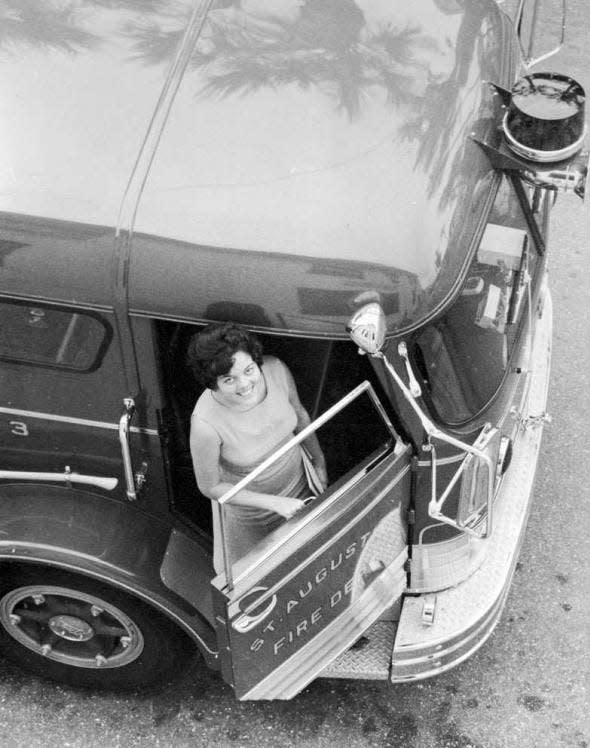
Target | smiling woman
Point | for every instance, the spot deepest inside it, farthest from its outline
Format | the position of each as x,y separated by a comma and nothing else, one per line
250,407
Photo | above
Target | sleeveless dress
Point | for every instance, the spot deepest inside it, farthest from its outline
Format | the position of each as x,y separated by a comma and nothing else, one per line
247,438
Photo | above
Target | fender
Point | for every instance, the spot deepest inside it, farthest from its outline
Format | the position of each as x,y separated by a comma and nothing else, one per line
105,539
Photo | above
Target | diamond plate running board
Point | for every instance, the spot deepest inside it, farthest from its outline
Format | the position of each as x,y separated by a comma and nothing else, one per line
369,658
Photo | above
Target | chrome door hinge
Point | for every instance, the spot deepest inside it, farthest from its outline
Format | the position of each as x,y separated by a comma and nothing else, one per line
531,422
141,476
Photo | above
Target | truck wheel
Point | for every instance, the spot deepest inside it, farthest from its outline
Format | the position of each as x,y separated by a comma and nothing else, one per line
77,631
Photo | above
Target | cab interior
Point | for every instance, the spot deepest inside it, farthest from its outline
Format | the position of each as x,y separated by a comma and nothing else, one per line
324,371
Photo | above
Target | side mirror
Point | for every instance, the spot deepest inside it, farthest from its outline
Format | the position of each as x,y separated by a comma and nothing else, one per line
540,24
476,480
367,328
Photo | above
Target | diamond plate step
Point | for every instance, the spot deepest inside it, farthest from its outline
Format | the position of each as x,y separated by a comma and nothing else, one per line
369,658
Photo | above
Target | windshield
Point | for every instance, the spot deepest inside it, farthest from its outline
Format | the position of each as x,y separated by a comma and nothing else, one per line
464,355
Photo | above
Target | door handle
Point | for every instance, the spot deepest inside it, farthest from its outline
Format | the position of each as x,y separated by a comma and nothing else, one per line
246,622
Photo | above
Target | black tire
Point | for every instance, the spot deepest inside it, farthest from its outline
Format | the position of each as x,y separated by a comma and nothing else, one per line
80,632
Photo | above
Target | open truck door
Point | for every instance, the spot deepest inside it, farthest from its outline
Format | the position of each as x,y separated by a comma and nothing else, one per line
310,589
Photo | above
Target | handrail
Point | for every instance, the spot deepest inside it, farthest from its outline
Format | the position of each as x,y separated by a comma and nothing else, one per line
124,428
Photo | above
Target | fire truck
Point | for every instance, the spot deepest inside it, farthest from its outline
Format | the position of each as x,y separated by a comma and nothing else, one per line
365,185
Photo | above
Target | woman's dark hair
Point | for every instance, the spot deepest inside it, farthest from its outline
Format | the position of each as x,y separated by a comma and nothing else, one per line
211,351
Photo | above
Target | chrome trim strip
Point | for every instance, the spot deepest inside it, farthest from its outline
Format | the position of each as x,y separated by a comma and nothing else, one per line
439,660
66,477
442,460
8,552
63,303
75,421
538,156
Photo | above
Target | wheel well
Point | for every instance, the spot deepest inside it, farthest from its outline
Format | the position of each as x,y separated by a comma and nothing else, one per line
75,629
198,634
10,569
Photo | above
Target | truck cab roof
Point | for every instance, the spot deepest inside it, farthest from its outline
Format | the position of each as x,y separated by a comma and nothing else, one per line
316,154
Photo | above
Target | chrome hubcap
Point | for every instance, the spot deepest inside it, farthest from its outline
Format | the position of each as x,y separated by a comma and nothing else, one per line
70,627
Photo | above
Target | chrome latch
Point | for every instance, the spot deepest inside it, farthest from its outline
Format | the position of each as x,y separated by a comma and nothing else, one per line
141,476
532,422
428,609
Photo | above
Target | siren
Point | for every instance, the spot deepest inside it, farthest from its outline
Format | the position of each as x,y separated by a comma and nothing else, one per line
544,121
543,129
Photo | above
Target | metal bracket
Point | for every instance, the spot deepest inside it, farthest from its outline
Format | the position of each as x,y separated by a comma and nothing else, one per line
428,609
502,92
535,421
141,476
415,388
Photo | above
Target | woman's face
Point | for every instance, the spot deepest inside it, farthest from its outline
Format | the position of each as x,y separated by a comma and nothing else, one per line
243,385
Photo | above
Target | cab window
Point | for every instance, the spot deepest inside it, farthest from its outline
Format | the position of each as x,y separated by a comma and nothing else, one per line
464,355
47,336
